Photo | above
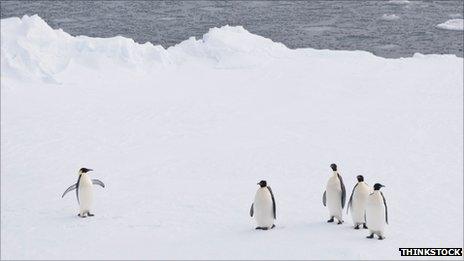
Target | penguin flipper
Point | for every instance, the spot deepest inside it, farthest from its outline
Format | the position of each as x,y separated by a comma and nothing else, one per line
98,182
324,199
273,202
351,198
251,210
71,188
343,190
385,204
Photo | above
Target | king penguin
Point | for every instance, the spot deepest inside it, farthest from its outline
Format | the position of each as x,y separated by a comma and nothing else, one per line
334,196
376,213
264,207
84,191
357,202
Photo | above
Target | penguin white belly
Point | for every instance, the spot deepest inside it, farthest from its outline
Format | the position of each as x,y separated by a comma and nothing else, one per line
375,214
358,203
334,197
85,194
263,209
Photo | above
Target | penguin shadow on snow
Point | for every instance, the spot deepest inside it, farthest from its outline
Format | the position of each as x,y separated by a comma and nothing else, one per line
343,231
322,225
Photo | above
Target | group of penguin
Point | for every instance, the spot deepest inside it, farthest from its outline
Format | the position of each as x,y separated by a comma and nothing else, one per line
368,208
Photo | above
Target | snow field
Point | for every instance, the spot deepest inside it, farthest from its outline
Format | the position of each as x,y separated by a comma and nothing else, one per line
180,136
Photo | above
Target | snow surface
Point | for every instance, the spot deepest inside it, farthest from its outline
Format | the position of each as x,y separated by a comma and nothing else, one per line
390,17
452,24
399,2
181,135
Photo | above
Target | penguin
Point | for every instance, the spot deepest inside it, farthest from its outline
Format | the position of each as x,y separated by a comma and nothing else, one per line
376,213
334,196
264,207
84,192
357,202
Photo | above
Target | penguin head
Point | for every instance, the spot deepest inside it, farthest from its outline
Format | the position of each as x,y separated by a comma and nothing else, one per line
360,178
377,186
333,166
84,170
262,183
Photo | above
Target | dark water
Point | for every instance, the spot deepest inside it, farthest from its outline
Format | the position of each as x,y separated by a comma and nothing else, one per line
345,25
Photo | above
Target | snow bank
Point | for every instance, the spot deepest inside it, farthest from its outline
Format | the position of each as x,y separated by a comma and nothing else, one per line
390,17
453,24
180,136
229,47
32,49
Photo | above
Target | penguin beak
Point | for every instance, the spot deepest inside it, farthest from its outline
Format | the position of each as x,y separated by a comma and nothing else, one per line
257,183
89,170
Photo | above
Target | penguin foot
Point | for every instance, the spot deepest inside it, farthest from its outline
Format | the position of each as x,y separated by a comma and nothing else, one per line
90,215
364,226
82,216
356,227
330,220
265,228
340,222
381,238
370,236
